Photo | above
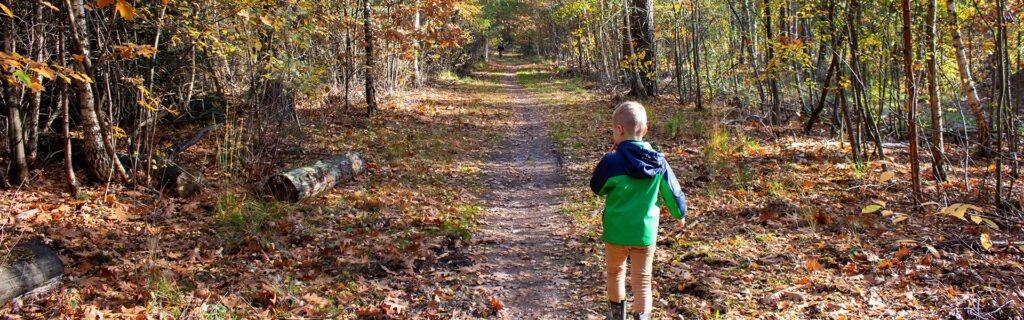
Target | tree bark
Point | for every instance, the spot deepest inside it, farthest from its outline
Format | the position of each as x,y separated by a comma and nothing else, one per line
35,98
966,79
417,78
349,56
15,135
69,167
30,268
821,99
100,163
908,65
642,48
933,96
696,55
771,73
304,182
371,97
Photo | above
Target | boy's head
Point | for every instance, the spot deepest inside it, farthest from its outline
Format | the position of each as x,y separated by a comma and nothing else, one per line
629,122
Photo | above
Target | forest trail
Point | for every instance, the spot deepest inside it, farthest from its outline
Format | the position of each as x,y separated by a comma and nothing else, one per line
523,235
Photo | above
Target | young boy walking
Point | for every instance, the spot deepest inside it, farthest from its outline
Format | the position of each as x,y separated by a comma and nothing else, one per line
636,181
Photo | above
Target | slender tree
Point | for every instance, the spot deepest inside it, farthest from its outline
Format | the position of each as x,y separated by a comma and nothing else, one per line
12,98
908,66
933,95
371,99
773,83
966,79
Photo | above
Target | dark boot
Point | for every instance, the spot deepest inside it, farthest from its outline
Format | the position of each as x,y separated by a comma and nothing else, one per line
642,316
617,310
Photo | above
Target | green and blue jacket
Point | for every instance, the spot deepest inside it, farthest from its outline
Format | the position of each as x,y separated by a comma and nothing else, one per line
636,180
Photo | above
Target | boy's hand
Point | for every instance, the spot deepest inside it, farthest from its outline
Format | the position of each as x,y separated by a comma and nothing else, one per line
682,223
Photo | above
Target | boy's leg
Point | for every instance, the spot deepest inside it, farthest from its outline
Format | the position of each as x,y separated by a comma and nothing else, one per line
641,266
615,265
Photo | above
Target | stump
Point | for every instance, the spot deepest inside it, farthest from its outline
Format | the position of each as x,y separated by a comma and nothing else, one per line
29,268
304,182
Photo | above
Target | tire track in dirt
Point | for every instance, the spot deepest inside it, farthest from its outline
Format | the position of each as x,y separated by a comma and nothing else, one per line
523,237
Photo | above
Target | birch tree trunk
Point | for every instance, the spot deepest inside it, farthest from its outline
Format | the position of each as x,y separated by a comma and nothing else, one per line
933,96
966,79
99,161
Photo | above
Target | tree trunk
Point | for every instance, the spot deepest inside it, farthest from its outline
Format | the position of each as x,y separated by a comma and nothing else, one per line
821,99
966,79
35,98
1004,96
348,56
676,51
933,96
908,66
642,48
371,97
12,98
304,182
851,129
696,54
771,73
69,167
417,78
30,268
100,163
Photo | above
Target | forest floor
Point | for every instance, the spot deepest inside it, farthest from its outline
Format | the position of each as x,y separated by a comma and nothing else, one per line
475,205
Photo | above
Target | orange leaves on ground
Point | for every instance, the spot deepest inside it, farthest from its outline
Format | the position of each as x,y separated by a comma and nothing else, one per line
315,299
393,307
902,253
495,304
812,264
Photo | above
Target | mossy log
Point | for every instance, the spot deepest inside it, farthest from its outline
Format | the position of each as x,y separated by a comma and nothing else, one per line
29,268
304,182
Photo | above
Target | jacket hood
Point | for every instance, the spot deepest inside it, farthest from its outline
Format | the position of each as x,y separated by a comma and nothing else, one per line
641,161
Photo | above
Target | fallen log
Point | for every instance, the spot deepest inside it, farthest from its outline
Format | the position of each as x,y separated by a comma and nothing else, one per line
174,150
29,268
304,182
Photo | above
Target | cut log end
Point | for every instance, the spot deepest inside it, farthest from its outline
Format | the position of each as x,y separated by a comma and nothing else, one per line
304,182
30,267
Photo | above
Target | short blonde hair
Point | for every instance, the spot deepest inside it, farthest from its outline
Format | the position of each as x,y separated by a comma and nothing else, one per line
632,116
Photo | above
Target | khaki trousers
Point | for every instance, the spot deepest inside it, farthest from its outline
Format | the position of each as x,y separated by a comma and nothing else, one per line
641,260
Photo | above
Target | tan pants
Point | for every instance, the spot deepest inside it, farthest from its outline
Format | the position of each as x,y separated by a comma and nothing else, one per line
641,260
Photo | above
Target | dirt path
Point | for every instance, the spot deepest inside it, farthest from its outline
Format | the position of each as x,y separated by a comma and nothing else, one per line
523,235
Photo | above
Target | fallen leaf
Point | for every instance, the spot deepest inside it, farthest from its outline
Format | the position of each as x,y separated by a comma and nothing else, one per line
812,264
495,304
986,241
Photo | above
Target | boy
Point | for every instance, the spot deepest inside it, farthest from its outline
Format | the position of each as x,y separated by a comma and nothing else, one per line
636,180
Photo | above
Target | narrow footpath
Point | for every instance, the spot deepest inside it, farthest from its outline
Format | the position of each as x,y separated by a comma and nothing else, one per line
523,234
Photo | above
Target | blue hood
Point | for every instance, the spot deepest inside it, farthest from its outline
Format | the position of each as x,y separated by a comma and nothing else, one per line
640,160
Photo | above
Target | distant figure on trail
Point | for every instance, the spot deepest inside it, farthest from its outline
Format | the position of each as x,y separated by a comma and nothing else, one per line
501,50
636,180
